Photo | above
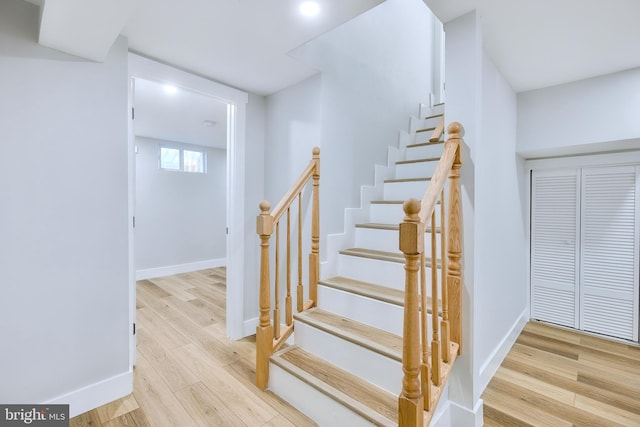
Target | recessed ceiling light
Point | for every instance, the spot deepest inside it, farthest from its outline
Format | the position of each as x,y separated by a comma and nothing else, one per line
208,123
171,90
309,8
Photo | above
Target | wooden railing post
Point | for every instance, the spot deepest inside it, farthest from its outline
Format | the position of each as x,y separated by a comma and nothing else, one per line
454,244
264,330
411,400
314,256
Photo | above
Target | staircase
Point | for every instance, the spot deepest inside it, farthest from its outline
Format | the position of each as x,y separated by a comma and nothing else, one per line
343,365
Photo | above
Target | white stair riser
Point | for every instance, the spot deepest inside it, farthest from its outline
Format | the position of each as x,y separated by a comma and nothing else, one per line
437,109
388,240
404,190
380,370
316,405
416,170
425,151
383,213
383,273
379,314
423,136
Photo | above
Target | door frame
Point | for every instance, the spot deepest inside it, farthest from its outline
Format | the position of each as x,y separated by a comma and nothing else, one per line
236,100
619,158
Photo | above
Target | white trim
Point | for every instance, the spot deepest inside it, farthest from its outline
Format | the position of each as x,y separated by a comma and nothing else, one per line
586,160
462,416
169,270
493,362
140,67
92,396
249,326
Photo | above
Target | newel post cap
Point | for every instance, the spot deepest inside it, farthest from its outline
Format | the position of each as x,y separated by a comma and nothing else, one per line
264,221
411,230
455,130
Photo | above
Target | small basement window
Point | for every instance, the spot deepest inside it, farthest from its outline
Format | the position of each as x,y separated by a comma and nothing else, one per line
182,159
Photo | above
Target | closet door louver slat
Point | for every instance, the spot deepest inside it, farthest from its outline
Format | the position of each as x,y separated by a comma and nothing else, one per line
554,253
609,256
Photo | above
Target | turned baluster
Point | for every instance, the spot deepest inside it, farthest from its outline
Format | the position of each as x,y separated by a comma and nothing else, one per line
300,289
411,401
454,269
444,325
287,302
436,359
276,305
425,369
264,330
314,256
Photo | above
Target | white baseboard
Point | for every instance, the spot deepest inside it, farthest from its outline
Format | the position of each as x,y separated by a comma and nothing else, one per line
180,268
249,327
489,368
465,417
94,395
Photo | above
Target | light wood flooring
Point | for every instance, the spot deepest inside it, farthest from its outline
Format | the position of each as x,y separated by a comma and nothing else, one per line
187,372
556,377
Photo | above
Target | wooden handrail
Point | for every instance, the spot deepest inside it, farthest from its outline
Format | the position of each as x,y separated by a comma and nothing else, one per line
295,189
425,372
439,178
269,333
438,131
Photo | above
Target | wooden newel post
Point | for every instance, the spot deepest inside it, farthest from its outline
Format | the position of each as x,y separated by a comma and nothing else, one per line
314,256
454,244
264,330
411,400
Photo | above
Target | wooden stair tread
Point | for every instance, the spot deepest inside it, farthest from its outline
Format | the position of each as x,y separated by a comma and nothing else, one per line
395,227
369,401
370,290
426,129
424,144
434,116
426,160
381,255
374,339
407,180
365,289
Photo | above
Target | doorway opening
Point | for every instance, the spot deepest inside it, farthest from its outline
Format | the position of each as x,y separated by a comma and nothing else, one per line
232,112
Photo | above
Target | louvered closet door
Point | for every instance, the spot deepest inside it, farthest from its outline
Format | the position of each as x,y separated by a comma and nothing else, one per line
609,255
554,246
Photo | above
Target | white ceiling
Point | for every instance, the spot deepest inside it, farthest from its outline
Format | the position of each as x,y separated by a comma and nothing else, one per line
179,116
543,43
244,43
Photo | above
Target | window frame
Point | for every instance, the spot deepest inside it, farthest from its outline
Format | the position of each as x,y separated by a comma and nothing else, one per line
181,158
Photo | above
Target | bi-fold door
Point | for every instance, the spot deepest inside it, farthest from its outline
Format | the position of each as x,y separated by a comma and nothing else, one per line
584,249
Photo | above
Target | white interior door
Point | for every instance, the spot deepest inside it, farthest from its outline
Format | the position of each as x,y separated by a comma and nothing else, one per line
609,252
555,239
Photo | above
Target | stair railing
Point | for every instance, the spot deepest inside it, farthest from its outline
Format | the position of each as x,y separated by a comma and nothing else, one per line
269,334
427,361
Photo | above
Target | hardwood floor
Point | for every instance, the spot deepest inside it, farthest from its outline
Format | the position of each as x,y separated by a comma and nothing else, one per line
555,377
187,372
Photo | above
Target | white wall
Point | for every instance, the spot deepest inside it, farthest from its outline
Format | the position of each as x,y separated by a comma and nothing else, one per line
64,313
597,114
494,213
375,71
293,129
253,194
463,74
180,216
501,304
